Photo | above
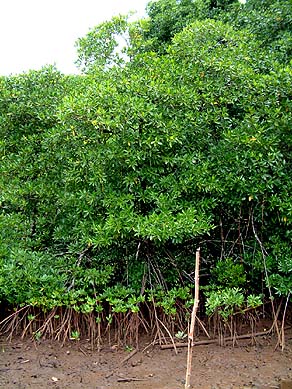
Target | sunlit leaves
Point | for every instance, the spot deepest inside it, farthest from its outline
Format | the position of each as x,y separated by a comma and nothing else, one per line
99,49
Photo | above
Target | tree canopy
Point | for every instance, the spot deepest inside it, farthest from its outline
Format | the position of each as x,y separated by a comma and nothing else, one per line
117,175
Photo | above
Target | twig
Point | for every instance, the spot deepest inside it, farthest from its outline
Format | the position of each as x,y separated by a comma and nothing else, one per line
203,327
173,342
122,362
110,374
132,353
83,352
157,324
150,344
78,263
264,254
130,379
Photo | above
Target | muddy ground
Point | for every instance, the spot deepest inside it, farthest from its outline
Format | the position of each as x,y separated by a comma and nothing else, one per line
27,364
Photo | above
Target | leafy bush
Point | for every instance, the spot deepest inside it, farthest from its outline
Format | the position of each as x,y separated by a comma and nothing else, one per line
229,274
229,301
109,180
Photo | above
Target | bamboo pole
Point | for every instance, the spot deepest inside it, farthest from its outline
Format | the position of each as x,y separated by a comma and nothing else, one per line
193,320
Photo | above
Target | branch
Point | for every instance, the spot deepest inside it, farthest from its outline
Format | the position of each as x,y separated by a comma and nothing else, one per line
212,341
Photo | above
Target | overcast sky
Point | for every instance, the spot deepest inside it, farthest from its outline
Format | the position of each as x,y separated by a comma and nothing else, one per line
34,33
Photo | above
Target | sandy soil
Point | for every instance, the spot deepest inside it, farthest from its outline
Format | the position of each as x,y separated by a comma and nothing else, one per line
26,364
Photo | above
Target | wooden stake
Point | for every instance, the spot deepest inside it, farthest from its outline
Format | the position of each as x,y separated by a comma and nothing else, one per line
193,320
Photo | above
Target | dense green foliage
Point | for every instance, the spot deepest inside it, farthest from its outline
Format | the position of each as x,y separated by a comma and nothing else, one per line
168,17
110,180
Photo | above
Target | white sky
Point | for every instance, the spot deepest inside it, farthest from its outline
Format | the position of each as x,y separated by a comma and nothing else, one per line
34,33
